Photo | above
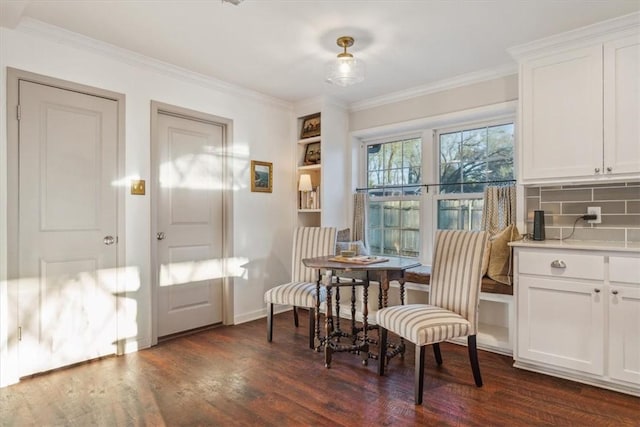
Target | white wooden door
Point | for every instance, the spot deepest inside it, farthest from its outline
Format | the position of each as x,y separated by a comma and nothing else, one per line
189,223
622,106
562,115
67,227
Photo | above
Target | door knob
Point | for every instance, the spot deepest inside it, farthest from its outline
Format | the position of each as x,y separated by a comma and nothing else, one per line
109,240
160,235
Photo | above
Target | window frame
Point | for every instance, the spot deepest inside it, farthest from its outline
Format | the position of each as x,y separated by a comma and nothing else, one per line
396,197
426,126
462,127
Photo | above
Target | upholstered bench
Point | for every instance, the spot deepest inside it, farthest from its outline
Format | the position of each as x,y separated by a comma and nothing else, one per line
422,274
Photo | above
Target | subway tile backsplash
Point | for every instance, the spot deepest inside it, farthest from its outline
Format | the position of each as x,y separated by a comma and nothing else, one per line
619,203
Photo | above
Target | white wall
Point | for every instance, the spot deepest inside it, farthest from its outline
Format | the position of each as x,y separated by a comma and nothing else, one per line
262,222
455,99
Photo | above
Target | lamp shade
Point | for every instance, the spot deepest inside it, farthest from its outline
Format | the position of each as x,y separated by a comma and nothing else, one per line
305,183
345,71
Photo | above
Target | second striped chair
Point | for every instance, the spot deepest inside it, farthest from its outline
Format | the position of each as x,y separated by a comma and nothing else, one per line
456,277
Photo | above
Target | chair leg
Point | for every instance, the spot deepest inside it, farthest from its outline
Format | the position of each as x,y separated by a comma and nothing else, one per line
419,373
295,316
269,322
473,357
382,350
437,353
312,328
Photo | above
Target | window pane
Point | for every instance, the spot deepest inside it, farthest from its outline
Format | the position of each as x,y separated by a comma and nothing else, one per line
450,147
374,157
374,179
392,155
500,141
500,170
391,242
396,169
399,231
463,214
410,243
391,214
485,154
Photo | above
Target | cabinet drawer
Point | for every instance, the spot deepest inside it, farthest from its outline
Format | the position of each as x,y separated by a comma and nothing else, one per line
624,269
577,265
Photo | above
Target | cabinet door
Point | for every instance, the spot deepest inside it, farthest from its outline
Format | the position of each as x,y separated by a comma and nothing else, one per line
562,115
624,333
560,323
622,106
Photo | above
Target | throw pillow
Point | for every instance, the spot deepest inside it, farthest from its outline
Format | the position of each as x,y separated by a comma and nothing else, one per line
485,258
500,266
361,249
343,235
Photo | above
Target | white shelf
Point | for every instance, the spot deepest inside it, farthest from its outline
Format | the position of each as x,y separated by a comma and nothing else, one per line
491,338
309,140
317,166
309,210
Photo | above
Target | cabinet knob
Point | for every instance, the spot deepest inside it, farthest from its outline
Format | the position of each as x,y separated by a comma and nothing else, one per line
597,170
609,169
614,292
558,263
596,290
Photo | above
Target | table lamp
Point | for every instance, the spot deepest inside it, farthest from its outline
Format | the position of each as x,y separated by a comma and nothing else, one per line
304,186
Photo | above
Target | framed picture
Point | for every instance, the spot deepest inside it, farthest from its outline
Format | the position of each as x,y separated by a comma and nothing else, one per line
261,176
310,126
312,154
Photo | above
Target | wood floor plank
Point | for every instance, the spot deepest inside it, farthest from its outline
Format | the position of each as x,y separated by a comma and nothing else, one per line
231,376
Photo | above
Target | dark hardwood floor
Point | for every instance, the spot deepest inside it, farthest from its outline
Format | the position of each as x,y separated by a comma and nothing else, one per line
231,376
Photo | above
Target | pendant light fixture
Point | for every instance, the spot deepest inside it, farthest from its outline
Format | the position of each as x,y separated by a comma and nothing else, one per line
345,70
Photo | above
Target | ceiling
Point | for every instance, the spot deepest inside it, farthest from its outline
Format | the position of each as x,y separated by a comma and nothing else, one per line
280,47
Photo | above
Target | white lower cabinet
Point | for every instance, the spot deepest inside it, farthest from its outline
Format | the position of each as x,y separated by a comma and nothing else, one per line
624,319
578,315
562,323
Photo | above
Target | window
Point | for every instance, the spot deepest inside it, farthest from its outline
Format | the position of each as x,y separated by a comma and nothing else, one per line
469,159
394,176
434,177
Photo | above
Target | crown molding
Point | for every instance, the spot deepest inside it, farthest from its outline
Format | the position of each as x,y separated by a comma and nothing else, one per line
452,83
599,31
59,35
317,103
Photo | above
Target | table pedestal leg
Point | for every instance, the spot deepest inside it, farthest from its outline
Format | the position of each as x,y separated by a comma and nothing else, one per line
328,326
364,351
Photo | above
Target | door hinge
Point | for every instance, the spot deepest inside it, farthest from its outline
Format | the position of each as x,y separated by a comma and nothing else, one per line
19,333
18,111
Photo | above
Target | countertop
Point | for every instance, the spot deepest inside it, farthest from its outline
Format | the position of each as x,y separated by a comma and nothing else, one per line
589,245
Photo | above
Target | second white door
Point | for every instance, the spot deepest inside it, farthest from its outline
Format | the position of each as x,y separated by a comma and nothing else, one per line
189,228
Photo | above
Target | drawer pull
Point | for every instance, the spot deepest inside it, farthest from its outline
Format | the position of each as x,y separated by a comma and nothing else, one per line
596,290
558,263
614,292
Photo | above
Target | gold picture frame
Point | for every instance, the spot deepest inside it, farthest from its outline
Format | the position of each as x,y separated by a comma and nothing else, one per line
261,176
310,126
312,155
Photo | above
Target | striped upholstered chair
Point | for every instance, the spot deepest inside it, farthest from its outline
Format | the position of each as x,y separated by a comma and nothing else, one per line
308,242
456,275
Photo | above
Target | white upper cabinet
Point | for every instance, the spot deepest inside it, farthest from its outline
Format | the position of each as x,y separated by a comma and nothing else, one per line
580,106
562,114
622,105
